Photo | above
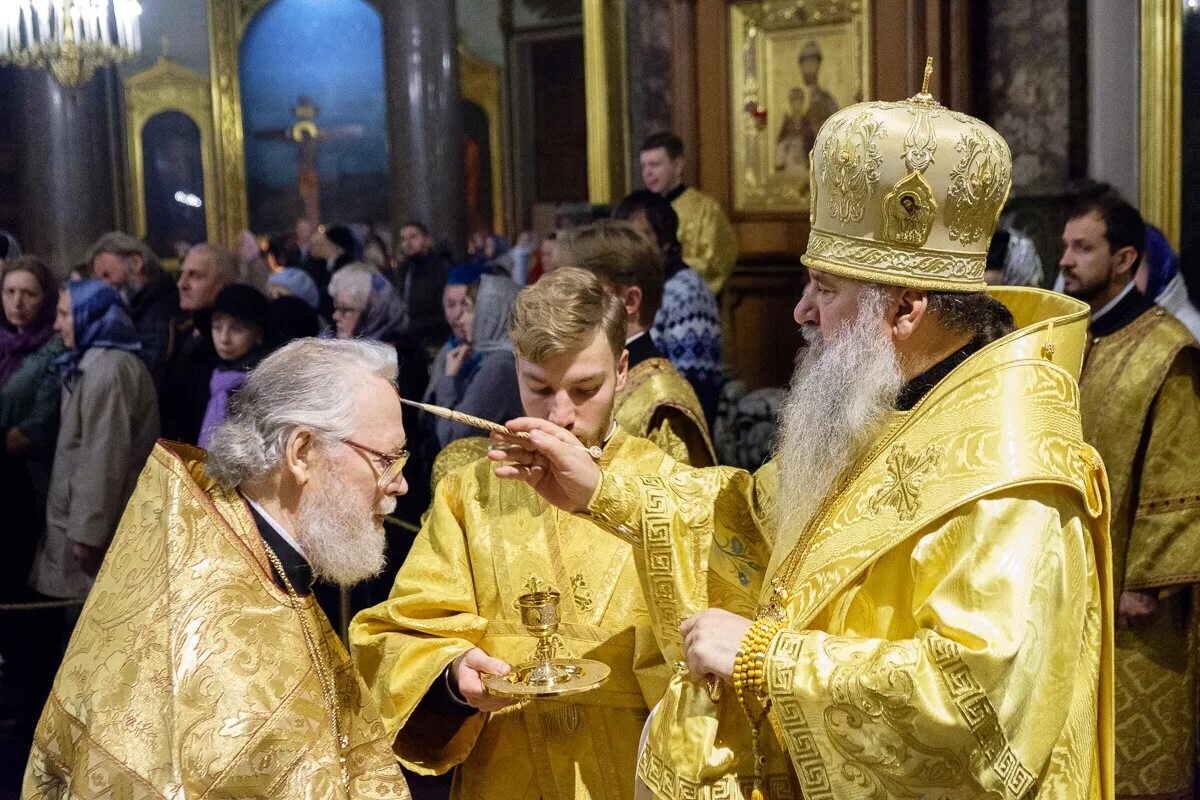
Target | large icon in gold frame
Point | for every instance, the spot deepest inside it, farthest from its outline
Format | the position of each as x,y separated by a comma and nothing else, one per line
169,131
794,63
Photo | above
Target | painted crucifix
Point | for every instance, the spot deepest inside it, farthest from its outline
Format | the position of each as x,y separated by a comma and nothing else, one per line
305,134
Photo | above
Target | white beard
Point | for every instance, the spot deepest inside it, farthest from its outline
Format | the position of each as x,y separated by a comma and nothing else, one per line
842,393
343,545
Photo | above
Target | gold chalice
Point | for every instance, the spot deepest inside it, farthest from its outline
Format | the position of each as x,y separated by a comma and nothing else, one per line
546,675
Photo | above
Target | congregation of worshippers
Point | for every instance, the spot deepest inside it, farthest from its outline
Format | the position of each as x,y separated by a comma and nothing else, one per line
624,501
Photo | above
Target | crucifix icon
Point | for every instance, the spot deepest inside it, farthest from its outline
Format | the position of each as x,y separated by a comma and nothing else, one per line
308,137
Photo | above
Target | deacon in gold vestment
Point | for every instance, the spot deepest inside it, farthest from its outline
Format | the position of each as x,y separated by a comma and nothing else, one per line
1141,410
452,613
709,243
932,598
201,665
656,401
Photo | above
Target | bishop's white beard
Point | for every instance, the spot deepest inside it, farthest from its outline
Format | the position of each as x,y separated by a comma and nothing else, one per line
841,395
343,544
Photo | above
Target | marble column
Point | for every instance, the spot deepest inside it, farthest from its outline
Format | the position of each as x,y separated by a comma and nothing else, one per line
425,140
66,147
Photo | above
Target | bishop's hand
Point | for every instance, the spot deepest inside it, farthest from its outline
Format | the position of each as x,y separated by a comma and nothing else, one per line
551,460
711,640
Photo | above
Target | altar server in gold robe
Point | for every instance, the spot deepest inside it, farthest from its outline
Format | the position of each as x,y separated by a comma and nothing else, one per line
201,667
452,613
709,243
930,609
1141,410
656,401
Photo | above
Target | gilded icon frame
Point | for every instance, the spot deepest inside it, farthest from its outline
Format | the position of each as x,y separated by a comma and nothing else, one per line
168,86
771,141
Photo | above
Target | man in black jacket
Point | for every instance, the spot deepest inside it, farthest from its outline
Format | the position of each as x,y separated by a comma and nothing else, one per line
421,279
130,267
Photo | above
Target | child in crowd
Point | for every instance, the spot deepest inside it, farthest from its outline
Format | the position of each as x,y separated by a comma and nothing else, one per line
239,322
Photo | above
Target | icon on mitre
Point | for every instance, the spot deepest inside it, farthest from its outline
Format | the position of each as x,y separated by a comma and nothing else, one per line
908,211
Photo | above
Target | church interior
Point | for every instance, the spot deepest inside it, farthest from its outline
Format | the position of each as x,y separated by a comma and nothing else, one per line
427,143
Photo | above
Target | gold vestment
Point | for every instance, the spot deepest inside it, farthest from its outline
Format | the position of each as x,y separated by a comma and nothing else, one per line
484,543
1142,413
709,244
948,628
189,673
657,403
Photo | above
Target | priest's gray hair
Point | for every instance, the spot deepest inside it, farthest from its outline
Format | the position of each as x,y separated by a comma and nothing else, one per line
308,382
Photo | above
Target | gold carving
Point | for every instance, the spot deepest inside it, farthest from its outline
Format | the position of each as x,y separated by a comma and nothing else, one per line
168,86
908,211
978,187
479,80
851,154
901,489
769,38
1161,139
606,99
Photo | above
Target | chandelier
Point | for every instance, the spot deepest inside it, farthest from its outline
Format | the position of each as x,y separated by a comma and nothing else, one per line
70,38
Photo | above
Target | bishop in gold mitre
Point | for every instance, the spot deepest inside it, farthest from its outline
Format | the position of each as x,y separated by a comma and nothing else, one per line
1141,410
201,666
656,401
452,613
927,612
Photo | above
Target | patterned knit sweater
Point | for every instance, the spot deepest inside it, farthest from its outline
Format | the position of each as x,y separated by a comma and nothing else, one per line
687,329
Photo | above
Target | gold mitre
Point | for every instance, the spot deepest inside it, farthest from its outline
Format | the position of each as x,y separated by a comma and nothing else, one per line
906,194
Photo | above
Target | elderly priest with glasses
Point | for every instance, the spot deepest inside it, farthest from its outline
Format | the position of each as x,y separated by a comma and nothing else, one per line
201,665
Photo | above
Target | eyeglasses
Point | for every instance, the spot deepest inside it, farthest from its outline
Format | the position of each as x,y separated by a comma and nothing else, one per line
393,464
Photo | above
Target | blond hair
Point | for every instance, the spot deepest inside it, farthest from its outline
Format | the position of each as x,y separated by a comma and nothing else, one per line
561,314
618,253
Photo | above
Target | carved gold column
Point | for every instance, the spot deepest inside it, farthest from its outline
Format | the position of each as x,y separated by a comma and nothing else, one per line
1161,133
226,22
605,82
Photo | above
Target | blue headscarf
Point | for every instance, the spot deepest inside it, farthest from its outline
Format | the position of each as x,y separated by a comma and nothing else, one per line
1162,262
101,320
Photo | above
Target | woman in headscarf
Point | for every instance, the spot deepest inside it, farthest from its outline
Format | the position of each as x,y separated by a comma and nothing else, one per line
1012,260
108,426
1158,276
489,390
29,397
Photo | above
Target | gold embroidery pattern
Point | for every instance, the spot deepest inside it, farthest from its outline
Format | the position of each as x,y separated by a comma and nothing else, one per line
980,716
901,488
664,781
978,187
920,142
581,593
660,560
955,269
561,721
851,153
801,743
908,211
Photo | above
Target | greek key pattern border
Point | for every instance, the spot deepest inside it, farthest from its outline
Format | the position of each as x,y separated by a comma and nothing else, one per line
782,658
981,717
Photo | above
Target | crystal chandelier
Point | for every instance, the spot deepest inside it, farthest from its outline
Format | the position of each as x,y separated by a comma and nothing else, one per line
70,38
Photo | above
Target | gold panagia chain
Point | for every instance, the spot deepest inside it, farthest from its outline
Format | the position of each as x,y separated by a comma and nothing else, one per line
324,671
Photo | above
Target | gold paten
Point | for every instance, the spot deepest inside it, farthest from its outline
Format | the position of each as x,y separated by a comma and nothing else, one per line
545,675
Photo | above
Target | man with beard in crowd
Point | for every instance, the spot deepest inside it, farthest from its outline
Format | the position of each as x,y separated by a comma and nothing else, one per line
421,278
929,611
200,664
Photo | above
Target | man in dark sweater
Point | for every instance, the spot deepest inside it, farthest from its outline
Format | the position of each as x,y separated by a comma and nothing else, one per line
420,280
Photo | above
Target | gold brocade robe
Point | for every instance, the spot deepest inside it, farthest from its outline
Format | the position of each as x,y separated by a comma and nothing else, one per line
190,674
948,630
708,240
657,403
1141,411
484,543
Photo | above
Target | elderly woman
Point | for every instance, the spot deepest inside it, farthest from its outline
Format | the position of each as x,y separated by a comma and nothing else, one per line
108,426
365,304
479,376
